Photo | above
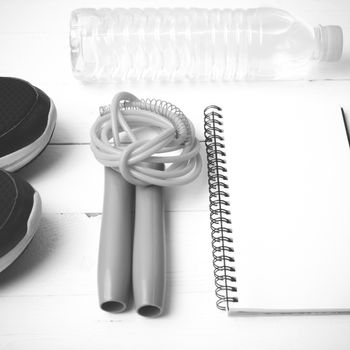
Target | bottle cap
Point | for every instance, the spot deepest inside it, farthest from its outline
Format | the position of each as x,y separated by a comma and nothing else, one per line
332,38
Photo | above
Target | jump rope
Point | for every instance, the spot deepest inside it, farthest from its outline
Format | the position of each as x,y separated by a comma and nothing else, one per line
144,145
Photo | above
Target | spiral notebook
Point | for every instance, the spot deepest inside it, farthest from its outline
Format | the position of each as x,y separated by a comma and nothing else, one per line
279,185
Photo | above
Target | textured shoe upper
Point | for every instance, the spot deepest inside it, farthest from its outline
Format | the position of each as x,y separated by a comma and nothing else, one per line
24,113
16,203
8,190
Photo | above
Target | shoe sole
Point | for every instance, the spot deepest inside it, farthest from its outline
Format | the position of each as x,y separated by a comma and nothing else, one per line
20,158
32,227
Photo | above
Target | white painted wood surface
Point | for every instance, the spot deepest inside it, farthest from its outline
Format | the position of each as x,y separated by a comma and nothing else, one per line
48,298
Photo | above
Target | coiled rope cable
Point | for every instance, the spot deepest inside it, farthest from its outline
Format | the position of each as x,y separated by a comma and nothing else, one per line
139,160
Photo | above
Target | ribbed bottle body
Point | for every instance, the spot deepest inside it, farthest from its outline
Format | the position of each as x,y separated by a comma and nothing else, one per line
188,44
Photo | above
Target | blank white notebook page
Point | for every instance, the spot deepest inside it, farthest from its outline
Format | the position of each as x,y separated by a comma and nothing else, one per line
289,186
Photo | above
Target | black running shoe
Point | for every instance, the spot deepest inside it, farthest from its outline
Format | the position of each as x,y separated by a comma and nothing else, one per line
20,211
27,121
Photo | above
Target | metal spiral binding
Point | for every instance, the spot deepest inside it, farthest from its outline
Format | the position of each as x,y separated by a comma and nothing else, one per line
219,206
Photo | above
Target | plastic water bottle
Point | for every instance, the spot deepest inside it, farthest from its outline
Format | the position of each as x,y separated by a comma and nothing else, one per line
196,44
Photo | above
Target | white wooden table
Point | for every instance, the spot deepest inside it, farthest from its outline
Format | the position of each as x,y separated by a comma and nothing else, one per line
48,298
